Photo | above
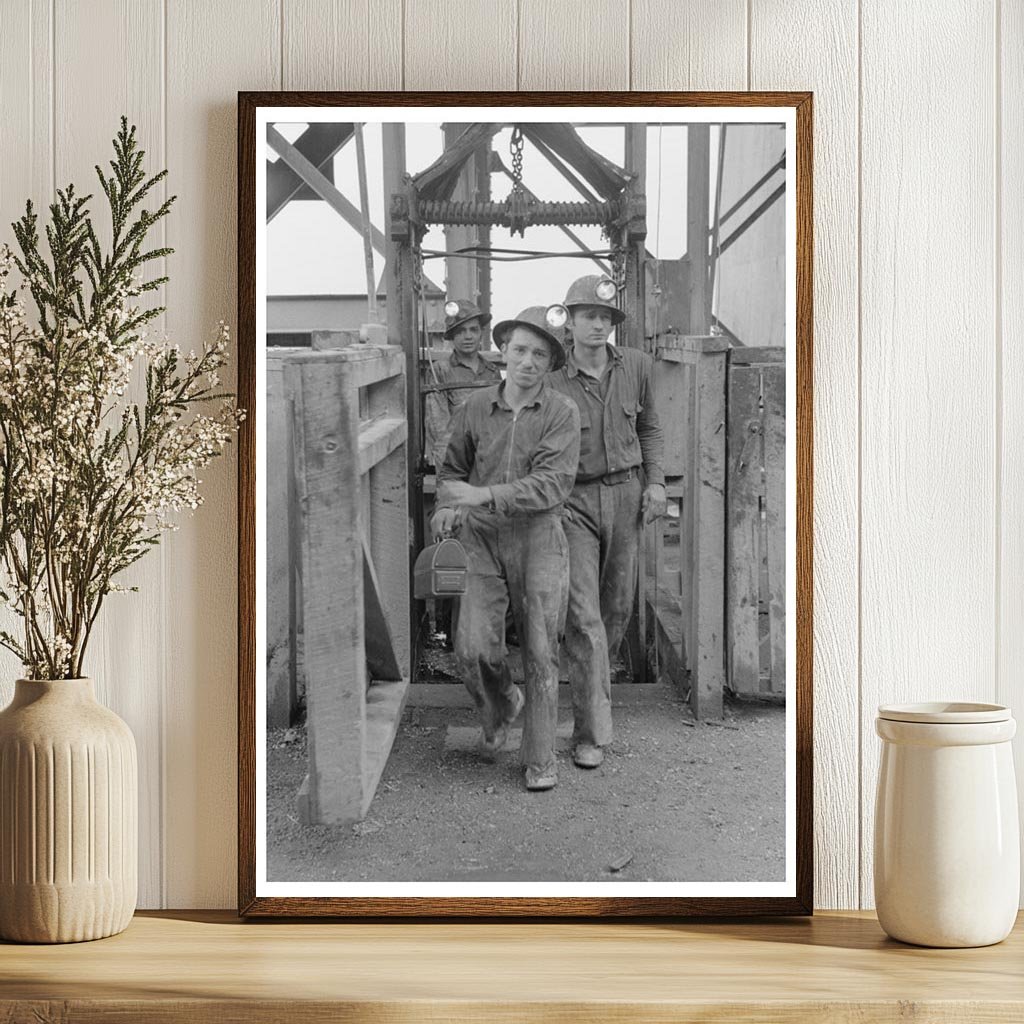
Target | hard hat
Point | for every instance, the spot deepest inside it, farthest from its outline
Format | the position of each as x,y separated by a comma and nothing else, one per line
536,319
594,290
458,311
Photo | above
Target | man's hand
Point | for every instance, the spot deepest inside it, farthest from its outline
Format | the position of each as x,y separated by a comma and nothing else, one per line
443,523
458,492
654,503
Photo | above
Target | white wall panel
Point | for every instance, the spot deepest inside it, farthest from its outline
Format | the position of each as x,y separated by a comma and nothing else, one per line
26,120
689,44
918,587
213,51
928,356
341,44
122,657
1010,373
781,59
460,44
573,44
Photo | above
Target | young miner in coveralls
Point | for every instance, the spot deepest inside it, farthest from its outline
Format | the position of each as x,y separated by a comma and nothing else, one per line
507,471
620,436
464,323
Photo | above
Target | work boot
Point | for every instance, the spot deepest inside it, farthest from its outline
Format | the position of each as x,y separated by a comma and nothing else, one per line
586,755
489,746
541,778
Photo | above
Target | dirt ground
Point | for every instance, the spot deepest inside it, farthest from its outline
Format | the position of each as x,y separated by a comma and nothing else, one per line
675,800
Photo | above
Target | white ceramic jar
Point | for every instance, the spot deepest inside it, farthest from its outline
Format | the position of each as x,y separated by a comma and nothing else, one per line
947,847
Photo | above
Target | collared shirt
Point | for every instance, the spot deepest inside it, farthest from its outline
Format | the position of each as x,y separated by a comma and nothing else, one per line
618,422
527,457
456,370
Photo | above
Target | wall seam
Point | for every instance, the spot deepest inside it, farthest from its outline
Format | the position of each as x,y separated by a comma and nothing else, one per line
162,699
860,458
997,210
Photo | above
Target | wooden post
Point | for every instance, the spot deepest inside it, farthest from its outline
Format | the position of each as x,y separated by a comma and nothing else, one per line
743,543
401,323
281,696
705,524
460,274
774,391
326,425
698,183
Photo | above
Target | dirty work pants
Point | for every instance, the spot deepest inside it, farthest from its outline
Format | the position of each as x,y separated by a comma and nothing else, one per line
603,530
522,563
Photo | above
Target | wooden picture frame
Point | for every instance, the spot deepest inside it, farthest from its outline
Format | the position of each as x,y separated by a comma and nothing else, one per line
378,381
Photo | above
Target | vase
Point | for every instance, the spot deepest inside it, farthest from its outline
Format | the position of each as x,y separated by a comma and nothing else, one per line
947,847
68,815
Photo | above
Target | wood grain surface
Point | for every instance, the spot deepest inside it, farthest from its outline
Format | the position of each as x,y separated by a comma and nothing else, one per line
209,967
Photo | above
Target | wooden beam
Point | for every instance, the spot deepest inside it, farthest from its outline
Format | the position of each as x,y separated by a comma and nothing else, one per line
698,183
381,658
326,425
378,440
320,185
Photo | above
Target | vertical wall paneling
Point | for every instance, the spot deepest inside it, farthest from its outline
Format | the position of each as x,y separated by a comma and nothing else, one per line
927,364
573,44
781,59
1010,260
460,44
124,655
213,51
699,44
342,44
26,109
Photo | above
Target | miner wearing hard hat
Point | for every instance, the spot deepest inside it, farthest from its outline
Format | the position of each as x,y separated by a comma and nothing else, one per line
464,324
508,468
619,485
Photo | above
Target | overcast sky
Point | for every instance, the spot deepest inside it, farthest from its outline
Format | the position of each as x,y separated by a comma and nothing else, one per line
311,250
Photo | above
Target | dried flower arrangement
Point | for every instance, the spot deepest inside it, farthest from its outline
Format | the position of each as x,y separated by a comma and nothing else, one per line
89,478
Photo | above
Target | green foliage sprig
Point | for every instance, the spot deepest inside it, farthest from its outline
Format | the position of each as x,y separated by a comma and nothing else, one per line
89,478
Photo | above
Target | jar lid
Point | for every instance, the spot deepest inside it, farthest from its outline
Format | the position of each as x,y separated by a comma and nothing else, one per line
945,713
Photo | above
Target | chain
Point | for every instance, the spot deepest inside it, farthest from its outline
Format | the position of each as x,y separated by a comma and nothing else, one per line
516,149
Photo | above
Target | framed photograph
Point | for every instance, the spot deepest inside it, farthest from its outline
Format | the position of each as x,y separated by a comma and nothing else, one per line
525,504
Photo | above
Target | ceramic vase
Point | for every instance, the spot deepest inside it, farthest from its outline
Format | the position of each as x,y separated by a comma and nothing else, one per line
68,815
947,847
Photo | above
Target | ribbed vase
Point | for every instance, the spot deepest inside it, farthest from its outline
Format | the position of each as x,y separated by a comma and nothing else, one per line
68,815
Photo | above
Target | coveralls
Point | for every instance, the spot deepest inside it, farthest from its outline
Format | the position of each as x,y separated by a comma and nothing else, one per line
517,554
455,370
620,434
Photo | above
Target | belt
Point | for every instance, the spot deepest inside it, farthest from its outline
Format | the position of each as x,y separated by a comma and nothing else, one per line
620,476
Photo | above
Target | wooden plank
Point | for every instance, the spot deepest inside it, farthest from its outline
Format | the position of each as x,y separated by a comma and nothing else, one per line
326,426
130,670
211,52
378,440
385,702
757,355
698,185
552,37
928,532
1009,682
364,364
381,658
390,534
743,549
828,65
26,105
211,968
707,583
701,44
279,655
460,44
773,385
341,44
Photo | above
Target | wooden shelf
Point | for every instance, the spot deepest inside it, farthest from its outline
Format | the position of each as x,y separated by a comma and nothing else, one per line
209,967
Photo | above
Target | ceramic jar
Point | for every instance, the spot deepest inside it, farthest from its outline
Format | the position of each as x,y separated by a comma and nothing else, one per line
947,847
68,815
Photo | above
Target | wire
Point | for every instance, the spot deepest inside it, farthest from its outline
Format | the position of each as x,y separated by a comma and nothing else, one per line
479,252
